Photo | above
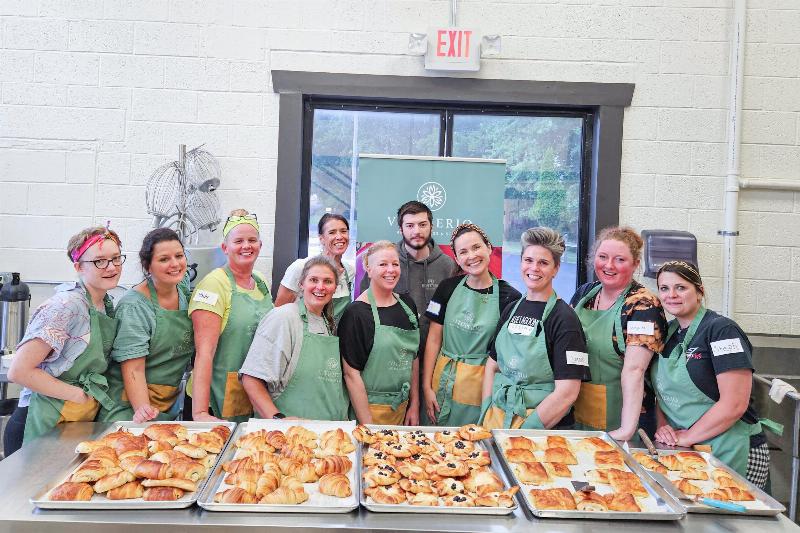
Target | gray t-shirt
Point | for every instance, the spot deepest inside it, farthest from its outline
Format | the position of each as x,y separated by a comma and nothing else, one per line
276,346
137,322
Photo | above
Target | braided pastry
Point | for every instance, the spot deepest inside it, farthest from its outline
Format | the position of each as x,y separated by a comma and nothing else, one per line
335,485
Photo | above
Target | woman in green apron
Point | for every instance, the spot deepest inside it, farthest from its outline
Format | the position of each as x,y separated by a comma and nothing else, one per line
155,341
538,354
463,317
624,325
703,378
225,308
334,238
293,368
379,343
63,376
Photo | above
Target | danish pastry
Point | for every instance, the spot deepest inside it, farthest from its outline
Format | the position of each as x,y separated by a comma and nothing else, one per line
381,475
459,500
556,441
416,486
518,455
593,444
560,455
364,435
483,481
558,470
387,435
590,501
623,502
553,499
386,494
520,443
373,456
497,499
459,447
622,481
412,471
478,458
448,486
609,459
423,498
400,450
445,436
472,432
532,473
452,469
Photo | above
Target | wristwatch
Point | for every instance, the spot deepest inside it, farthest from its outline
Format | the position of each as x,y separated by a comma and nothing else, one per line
278,416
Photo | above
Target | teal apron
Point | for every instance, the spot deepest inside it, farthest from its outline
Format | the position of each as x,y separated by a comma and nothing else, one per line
228,398
525,376
684,404
45,412
387,375
171,349
469,324
316,390
599,404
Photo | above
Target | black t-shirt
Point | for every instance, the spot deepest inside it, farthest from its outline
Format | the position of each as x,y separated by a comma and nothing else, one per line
563,333
705,360
356,328
438,304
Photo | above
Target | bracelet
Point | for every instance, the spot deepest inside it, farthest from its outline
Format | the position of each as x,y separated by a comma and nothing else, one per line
278,416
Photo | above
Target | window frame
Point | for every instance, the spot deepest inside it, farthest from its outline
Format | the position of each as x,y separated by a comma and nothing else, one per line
602,105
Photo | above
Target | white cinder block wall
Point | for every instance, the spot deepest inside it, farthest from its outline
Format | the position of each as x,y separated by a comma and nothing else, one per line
95,94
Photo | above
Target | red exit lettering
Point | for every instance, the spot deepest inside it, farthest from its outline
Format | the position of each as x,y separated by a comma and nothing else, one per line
453,43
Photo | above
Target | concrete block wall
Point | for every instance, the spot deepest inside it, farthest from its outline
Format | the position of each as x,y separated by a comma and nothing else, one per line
95,94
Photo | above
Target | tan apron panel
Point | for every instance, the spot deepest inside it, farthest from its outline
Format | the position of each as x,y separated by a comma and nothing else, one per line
384,414
590,407
236,401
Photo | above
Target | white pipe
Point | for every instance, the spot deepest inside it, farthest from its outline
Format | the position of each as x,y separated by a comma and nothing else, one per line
453,13
775,185
731,229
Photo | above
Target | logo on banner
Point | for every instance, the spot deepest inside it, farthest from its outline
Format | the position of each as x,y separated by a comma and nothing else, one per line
432,194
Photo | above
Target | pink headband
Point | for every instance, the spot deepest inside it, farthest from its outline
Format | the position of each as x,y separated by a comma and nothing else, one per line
93,240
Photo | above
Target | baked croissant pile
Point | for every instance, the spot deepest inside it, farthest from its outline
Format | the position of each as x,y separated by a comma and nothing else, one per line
694,476
549,465
272,467
445,468
162,464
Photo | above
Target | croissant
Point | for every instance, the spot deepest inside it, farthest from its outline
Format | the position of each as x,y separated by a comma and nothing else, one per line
188,469
234,495
671,462
89,446
305,472
89,471
161,432
649,463
287,465
483,481
210,442
267,482
717,494
72,491
155,446
302,435
298,453
390,495
128,491
260,457
189,450
335,464
285,496
689,472
131,445
168,456
691,460
224,432
158,494
364,435
112,481
129,463
739,495
246,479
178,483
105,455
721,477
335,485
688,488
245,463
110,438
336,437
152,470
474,432
250,440
290,482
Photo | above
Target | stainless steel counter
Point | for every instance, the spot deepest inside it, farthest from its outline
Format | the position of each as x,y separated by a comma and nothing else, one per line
24,473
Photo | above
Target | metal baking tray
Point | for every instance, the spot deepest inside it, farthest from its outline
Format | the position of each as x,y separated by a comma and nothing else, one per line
658,506
317,503
441,509
764,505
101,502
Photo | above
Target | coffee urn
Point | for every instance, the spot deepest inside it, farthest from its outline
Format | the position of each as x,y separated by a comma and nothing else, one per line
15,303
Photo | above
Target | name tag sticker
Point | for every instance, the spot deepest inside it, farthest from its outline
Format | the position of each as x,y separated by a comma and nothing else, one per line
434,307
637,327
520,329
206,297
577,358
727,346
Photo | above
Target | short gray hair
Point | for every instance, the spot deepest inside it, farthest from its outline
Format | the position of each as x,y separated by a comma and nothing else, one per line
546,238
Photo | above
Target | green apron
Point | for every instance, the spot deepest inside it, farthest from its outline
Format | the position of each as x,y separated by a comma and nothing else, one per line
599,404
387,375
525,376
316,389
684,404
228,398
171,348
341,303
469,324
45,412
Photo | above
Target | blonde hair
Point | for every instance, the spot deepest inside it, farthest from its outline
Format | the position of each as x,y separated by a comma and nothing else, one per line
623,234
321,260
376,247
77,240
547,238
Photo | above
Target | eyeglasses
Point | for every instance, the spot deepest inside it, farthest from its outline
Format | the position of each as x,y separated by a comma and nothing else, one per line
103,263
237,218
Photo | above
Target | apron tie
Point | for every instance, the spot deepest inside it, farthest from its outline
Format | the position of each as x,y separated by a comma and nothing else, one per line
401,396
510,394
447,381
96,385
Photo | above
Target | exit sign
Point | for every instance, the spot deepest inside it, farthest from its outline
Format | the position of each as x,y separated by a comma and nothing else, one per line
453,49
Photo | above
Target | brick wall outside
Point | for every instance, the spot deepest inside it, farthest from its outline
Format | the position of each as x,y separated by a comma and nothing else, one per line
95,94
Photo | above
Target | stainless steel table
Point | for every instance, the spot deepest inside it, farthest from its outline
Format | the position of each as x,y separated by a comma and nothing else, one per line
25,472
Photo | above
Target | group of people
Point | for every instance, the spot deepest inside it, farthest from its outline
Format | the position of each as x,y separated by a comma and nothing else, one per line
608,360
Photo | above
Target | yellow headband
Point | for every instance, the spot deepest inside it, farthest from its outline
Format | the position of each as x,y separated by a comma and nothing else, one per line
234,221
